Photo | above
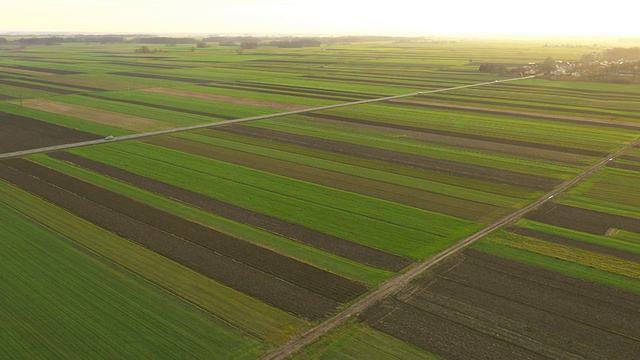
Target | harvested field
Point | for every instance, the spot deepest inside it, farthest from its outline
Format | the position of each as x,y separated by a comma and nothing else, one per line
575,243
479,304
227,99
24,71
104,117
460,135
404,159
23,133
584,220
198,252
332,244
449,205
37,87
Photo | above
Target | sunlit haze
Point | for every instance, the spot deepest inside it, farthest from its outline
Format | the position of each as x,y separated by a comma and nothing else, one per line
330,17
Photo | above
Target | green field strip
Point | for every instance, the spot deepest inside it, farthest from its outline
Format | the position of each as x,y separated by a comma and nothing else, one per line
356,340
80,297
390,177
600,205
349,216
473,184
65,121
542,131
404,144
610,185
553,263
424,200
321,259
230,306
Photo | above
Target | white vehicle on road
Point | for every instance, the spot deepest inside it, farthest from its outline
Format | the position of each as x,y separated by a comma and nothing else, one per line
110,137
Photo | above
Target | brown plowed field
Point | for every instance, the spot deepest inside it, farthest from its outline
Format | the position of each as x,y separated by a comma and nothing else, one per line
303,275
23,133
490,139
624,166
584,220
332,244
576,244
220,268
405,159
42,70
227,99
462,208
105,117
539,313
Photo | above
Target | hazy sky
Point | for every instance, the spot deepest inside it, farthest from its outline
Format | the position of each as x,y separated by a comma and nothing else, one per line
394,17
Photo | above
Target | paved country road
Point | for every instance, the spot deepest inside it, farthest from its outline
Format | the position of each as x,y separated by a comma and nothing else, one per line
395,284
234,121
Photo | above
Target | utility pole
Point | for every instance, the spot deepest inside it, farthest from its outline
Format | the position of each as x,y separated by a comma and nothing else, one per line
21,100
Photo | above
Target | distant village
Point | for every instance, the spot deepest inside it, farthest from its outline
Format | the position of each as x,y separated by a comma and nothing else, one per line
621,65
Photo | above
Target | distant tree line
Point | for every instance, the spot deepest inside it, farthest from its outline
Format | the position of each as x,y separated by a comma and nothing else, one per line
295,43
629,54
499,69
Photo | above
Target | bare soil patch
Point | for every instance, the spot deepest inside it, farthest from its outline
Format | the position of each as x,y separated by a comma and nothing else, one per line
161,77
225,270
584,220
23,133
332,244
624,166
25,71
260,89
405,159
105,117
41,70
227,99
479,299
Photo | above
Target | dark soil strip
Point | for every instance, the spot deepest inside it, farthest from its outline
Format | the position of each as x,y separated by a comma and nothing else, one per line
624,166
163,107
161,77
599,293
37,87
575,243
529,144
440,336
303,275
248,280
51,71
398,158
458,207
631,158
275,92
590,327
332,244
5,97
589,221
23,133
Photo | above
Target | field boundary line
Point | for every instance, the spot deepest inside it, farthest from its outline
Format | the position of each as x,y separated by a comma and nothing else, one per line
395,284
234,121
